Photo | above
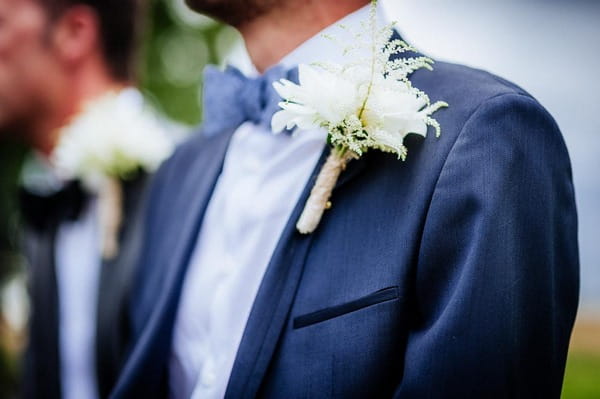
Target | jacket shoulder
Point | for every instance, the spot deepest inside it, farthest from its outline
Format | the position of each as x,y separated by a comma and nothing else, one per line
475,85
471,93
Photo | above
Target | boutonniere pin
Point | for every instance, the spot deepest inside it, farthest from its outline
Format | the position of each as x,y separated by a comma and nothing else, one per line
368,103
110,141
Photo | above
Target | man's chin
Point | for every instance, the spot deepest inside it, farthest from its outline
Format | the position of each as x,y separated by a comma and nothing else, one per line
232,12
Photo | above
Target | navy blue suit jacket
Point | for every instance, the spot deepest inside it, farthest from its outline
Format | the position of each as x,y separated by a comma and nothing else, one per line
451,275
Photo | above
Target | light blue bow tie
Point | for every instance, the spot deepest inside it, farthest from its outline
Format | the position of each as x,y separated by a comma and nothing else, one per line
231,98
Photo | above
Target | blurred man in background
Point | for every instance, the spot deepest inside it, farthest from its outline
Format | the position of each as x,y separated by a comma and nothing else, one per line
60,62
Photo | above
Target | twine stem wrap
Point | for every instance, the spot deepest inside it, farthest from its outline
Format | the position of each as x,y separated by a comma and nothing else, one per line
110,202
321,192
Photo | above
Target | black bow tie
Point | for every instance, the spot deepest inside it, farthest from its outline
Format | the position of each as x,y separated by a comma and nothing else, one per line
42,211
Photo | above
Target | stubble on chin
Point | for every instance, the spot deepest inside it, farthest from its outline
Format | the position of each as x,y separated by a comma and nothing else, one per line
233,12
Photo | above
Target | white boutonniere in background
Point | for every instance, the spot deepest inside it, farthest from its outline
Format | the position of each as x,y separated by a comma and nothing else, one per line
368,103
107,142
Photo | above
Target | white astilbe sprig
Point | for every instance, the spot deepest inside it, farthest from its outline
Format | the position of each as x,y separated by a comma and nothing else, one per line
366,103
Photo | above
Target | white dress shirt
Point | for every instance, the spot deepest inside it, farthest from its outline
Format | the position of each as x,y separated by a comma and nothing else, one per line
262,179
78,272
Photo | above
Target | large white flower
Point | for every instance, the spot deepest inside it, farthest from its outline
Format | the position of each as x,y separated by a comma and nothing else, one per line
394,110
321,98
108,139
334,97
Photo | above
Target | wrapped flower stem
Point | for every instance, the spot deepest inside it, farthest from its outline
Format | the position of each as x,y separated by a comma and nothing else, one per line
110,205
321,192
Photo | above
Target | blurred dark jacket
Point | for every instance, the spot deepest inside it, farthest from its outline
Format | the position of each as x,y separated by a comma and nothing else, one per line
41,374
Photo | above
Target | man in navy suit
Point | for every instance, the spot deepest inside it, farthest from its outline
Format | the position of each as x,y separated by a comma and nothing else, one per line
451,275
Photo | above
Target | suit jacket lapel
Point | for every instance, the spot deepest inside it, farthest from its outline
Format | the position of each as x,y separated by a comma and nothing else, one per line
276,295
42,357
353,168
148,357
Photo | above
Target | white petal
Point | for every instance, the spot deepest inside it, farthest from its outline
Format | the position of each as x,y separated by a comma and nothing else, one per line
281,120
287,90
405,123
417,126
297,108
388,139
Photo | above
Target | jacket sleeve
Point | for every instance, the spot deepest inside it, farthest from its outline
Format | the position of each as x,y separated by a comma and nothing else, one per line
497,280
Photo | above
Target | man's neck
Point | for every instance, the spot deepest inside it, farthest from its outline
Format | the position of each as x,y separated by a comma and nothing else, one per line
271,36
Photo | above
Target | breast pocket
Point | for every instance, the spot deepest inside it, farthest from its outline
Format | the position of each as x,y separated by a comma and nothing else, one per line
383,295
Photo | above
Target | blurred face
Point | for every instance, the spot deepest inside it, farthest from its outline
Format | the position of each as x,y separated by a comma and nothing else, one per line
28,65
233,12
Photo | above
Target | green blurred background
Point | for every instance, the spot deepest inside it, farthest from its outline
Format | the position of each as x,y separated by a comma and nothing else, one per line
177,44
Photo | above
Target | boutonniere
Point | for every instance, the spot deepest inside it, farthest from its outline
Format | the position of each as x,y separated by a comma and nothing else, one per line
368,103
110,141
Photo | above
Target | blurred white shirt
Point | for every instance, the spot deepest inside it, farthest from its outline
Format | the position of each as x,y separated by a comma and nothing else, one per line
78,267
262,179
